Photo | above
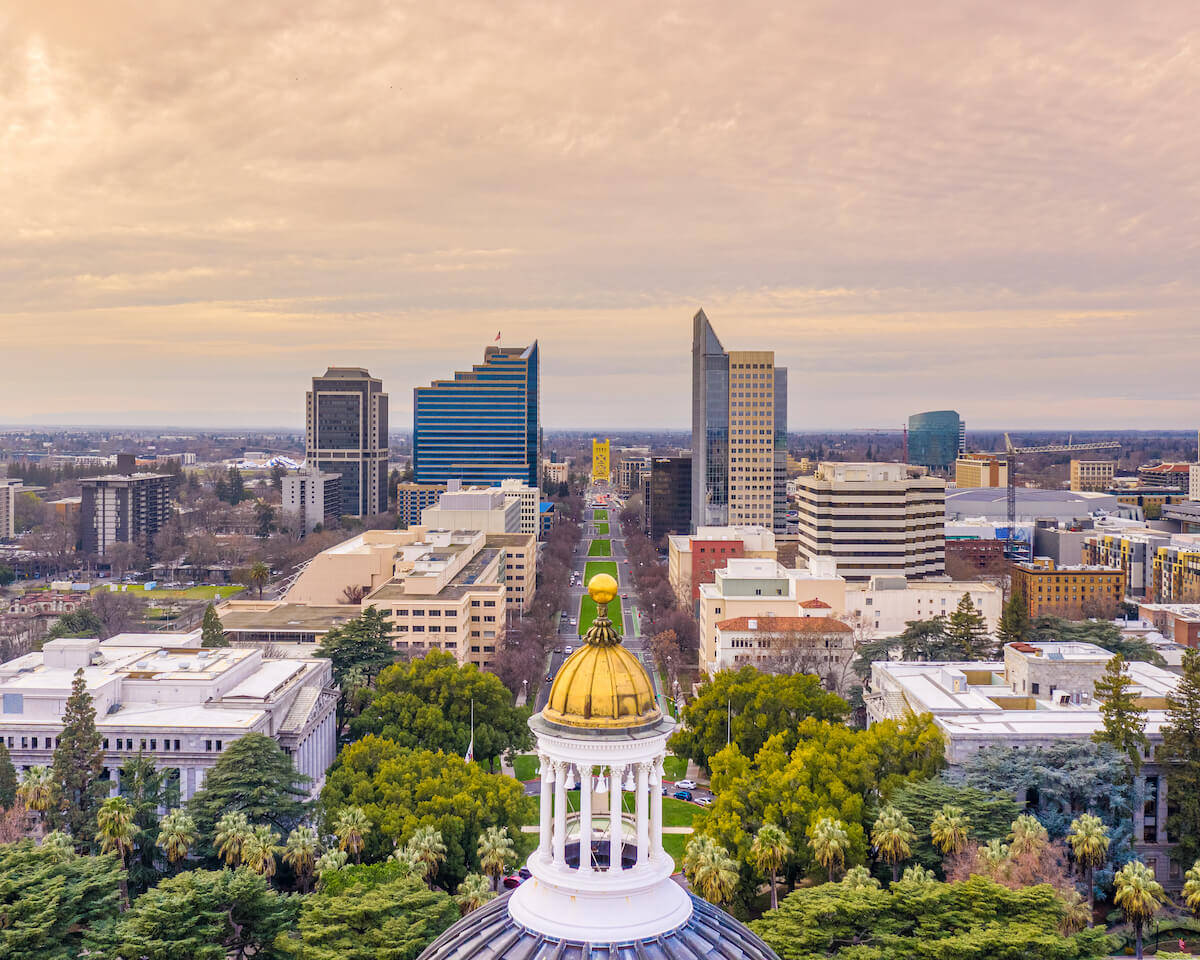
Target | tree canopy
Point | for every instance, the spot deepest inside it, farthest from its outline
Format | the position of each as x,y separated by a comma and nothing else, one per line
989,814
78,763
359,649
1181,749
1103,633
426,704
402,790
750,707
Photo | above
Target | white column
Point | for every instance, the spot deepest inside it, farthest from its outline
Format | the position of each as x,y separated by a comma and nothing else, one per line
544,837
643,813
615,841
560,813
656,821
585,819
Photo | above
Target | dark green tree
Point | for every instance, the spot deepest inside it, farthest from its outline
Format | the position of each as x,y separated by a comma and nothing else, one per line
79,623
205,915
212,634
143,785
990,814
7,575
235,485
264,519
255,777
1181,750
8,778
1124,723
371,911
78,763
50,902
747,707
426,703
1014,625
359,649
278,472
967,633
1103,633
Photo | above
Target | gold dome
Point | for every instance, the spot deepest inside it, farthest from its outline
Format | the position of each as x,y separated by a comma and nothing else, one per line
602,685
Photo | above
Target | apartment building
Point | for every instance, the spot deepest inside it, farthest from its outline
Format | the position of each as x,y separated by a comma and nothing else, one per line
980,470
1073,593
1194,481
10,489
1156,565
873,519
123,508
1165,475
694,559
346,432
530,500
556,471
312,498
1095,476
165,697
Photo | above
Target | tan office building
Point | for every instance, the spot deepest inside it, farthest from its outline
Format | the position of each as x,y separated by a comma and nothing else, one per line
1095,476
752,438
1073,593
980,470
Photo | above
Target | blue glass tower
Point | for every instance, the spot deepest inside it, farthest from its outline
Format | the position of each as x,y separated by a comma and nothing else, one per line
935,439
483,426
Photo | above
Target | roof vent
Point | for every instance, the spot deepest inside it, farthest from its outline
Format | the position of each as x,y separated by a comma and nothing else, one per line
184,665
162,654
142,664
202,655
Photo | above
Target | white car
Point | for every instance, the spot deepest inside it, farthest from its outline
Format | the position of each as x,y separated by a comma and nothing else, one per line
685,784
569,650
704,801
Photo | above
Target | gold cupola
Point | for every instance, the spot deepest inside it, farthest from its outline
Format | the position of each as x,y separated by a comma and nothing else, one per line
602,686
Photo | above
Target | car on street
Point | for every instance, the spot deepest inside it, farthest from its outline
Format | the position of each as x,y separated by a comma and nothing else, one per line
704,801
569,650
685,784
682,795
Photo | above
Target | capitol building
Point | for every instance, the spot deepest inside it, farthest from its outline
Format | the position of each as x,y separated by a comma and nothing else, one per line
601,884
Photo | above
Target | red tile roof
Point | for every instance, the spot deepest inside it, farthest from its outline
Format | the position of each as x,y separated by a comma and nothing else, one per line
796,624
815,604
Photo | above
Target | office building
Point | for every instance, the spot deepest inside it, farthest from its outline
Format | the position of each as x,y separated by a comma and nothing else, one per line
980,470
163,697
413,498
667,498
883,606
631,471
601,451
1092,475
346,432
482,426
873,519
311,498
530,500
475,508
1147,503
739,434
694,559
1073,593
1175,475
123,508
556,471
1038,695
9,491
1194,481
935,439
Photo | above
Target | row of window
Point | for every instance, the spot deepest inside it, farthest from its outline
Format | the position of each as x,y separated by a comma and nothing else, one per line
119,743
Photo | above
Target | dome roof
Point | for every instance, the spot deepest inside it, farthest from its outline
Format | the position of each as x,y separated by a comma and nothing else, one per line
602,686
490,933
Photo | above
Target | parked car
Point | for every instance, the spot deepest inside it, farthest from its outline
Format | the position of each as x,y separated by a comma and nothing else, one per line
704,801
685,784
682,795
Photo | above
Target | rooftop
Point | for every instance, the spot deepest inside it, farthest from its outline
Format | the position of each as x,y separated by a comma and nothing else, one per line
781,624
284,617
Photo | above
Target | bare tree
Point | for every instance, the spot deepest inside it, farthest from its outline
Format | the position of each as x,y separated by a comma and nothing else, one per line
123,557
118,612
353,593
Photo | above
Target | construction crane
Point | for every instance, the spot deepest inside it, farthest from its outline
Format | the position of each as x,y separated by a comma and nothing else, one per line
1010,459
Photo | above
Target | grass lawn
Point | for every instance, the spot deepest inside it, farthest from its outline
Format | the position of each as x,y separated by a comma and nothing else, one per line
602,528
678,813
600,548
191,593
600,515
526,766
594,567
674,844
674,768
587,607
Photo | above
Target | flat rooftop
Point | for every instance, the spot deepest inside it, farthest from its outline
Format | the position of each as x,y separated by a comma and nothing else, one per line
297,617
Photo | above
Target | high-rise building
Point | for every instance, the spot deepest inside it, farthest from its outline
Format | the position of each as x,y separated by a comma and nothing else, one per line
667,497
346,432
412,498
935,439
980,470
9,490
1092,475
312,498
123,508
739,434
483,426
600,461
873,519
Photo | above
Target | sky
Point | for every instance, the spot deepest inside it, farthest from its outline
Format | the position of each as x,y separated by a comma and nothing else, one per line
990,207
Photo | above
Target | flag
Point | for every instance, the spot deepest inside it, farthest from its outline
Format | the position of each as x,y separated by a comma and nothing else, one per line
497,340
470,755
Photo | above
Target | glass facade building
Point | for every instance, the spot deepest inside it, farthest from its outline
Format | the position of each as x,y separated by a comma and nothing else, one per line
935,439
667,494
482,427
346,432
710,426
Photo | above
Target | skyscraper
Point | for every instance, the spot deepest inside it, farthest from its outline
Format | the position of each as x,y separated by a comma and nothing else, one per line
483,426
936,438
346,432
739,434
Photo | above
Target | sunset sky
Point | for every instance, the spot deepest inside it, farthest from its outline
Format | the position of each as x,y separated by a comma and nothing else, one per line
988,206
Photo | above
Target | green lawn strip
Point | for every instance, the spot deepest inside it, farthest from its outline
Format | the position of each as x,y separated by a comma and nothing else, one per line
191,593
678,813
674,844
600,548
587,607
602,528
594,567
526,766
600,515
674,768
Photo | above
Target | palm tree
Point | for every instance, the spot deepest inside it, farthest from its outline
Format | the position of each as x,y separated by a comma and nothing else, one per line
917,874
330,861
496,851
1139,896
769,853
37,791
115,832
893,838
1089,842
830,844
176,835
405,855
949,830
233,830
473,893
859,878
59,844
1191,889
994,854
710,870
1028,836
1077,913
259,576
259,850
352,826
428,850
300,853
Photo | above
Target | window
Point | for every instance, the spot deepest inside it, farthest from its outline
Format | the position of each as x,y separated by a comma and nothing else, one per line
208,745
1036,689
14,703
154,744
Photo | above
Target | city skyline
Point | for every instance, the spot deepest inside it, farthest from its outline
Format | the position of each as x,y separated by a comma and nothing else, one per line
962,207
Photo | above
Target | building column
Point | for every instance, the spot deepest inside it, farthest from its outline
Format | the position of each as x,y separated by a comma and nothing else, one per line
1139,808
615,840
544,807
560,813
1161,812
585,819
656,812
643,812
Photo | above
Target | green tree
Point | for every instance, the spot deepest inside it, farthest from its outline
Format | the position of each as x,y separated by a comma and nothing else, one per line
176,836
205,915
747,707
496,853
235,486
950,830
473,893
232,832
115,831
1028,836
50,903
830,844
892,836
917,874
976,919
1103,633
769,852
967,632
428,850
351,828
264,519
1181,749
260,850
8,778
143,785
78,763
301,851
255,777
1191,888
710,870
259,576
59,844
79,623
859,878
1089,844
426,704
1014,625
358,651
1124,724
1139,897
212,634
367,913
37,791
7,575
401,790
